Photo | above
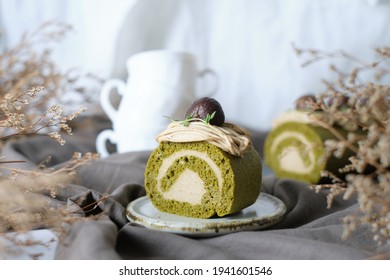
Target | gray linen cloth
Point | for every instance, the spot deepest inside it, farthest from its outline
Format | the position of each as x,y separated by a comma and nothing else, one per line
308,231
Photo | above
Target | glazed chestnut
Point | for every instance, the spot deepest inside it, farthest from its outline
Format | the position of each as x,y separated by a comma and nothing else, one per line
305,102
204,106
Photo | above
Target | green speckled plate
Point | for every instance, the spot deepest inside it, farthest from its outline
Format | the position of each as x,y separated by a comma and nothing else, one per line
265,212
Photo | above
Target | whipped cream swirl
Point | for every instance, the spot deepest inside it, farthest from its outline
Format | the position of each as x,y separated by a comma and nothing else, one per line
231,138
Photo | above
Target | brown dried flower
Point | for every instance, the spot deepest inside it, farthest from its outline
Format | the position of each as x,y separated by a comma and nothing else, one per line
28,68
13,122
362,107
31,89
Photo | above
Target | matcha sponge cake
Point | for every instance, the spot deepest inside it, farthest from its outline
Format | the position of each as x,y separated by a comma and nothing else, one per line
295,150
295,146
201,169
198,179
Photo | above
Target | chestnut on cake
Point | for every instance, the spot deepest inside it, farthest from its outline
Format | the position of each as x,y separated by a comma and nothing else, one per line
203,166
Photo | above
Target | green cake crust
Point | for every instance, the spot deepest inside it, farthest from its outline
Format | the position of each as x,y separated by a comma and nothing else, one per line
222,184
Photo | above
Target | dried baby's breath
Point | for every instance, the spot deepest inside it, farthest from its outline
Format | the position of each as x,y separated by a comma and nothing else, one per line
27,69
31,91
26,200
361,106
51,122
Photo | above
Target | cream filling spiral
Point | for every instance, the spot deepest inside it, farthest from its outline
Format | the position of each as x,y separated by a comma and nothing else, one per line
189,187
290,157
231,138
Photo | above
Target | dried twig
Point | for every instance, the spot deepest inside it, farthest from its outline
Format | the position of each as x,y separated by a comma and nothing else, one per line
32,86
362,109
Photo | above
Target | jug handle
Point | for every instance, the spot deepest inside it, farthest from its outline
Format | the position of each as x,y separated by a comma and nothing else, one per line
101,140
209,72
105,96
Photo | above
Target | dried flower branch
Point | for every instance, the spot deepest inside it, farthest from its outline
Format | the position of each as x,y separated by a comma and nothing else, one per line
22,205
13,121
362,109
28,68
28,200
32,86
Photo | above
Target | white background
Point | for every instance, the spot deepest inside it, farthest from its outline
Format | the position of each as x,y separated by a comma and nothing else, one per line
247,42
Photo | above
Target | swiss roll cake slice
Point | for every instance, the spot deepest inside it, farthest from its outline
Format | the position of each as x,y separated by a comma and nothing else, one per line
200,180
295,148
203,167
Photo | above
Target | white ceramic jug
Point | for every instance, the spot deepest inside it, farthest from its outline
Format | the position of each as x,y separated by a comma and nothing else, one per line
160,83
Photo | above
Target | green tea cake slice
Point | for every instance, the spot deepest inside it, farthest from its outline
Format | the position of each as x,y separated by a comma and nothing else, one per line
203,167
295,150
199,179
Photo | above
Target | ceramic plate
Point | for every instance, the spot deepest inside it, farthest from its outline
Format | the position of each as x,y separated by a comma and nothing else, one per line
265,212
